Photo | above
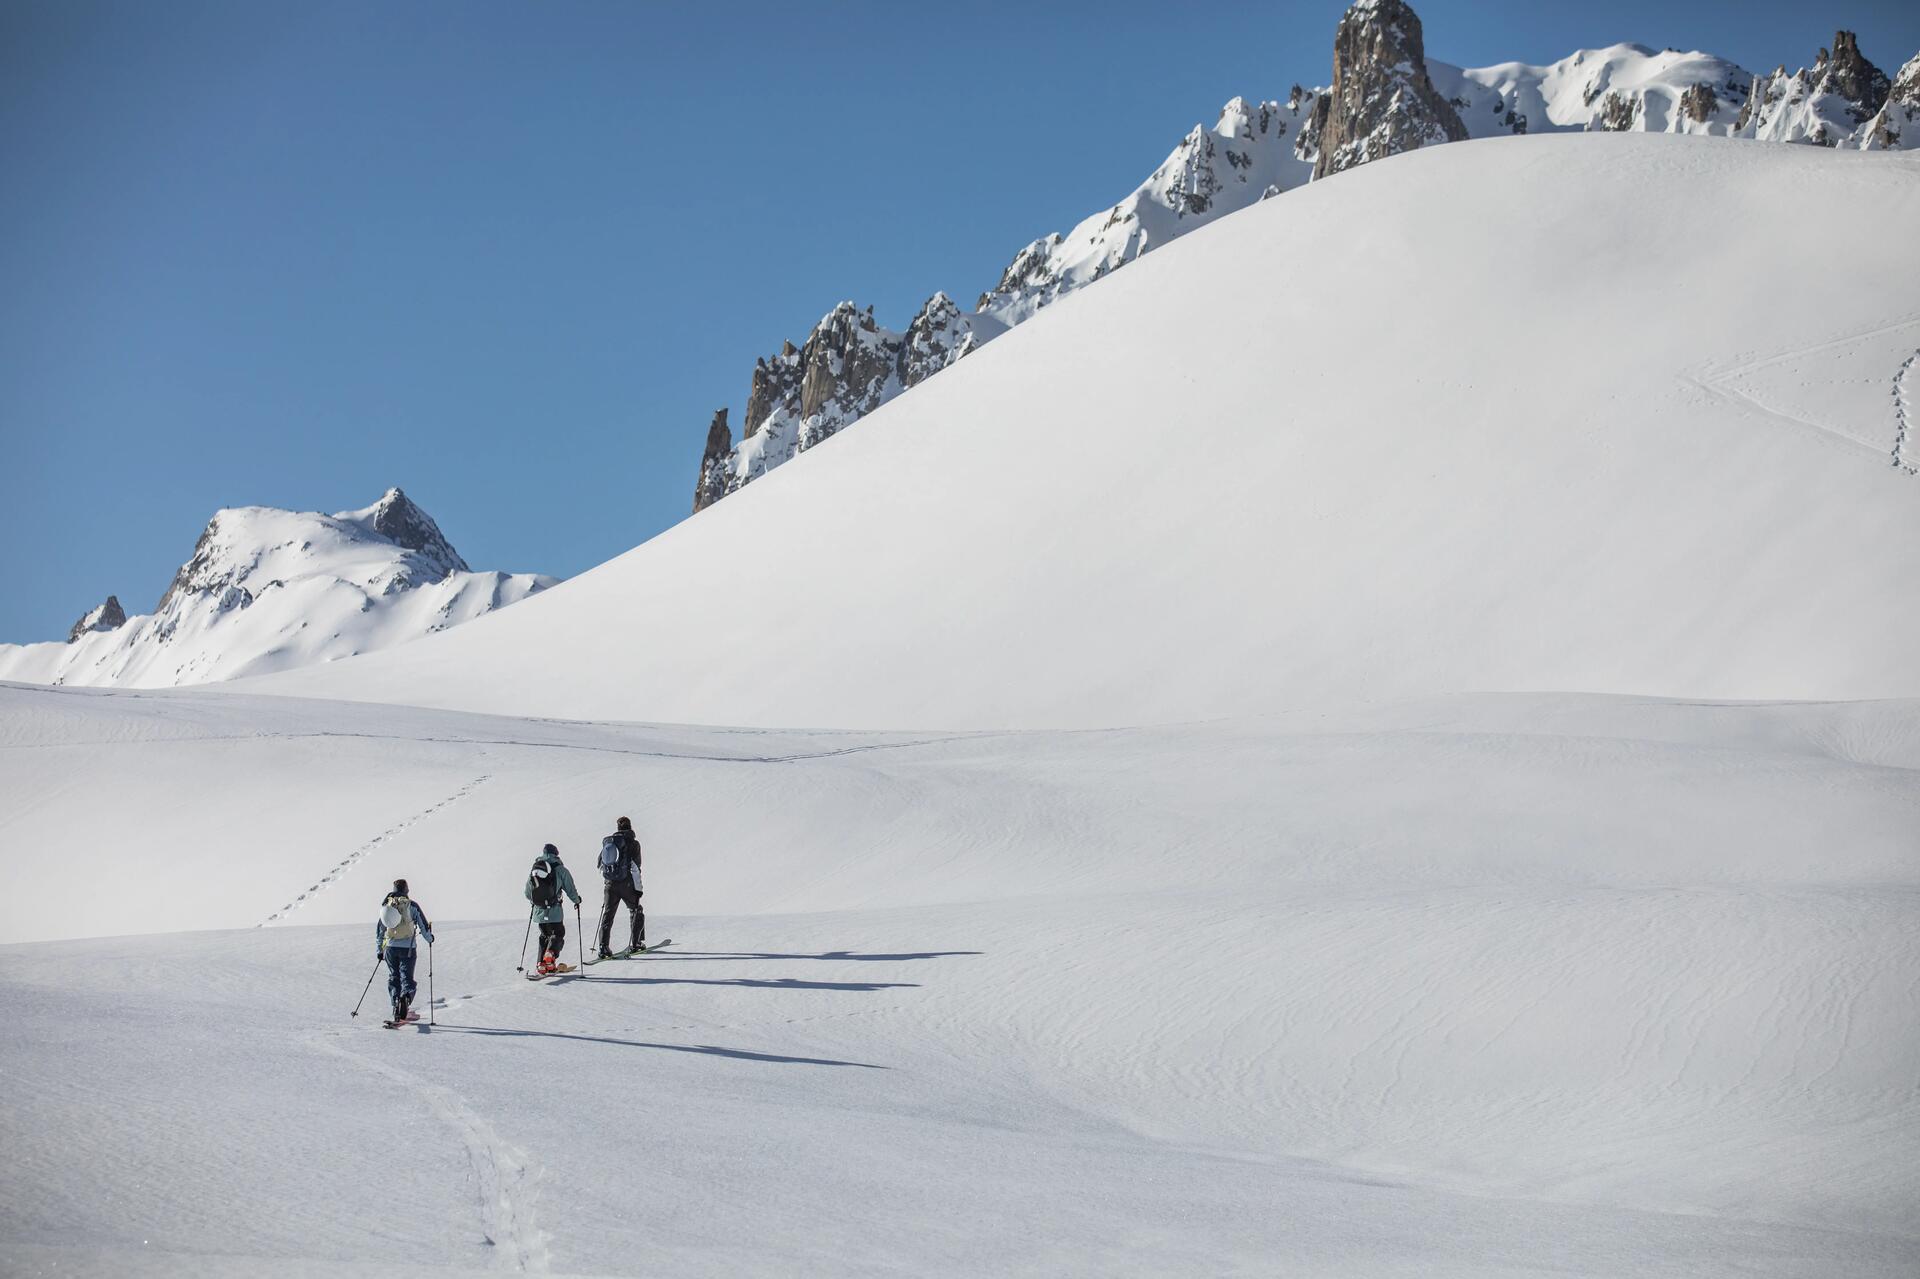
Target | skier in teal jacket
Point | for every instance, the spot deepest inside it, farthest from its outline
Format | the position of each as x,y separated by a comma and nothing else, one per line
548,880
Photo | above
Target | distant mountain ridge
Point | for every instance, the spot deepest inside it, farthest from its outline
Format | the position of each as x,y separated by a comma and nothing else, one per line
267,590
1386,97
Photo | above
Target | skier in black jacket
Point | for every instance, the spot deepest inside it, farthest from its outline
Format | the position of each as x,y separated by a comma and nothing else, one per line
620,867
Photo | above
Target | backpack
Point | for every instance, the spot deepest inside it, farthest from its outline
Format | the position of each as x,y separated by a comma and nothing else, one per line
397,915
546,883
613,859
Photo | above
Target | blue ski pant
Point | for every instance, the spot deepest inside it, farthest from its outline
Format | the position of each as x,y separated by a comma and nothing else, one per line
400,983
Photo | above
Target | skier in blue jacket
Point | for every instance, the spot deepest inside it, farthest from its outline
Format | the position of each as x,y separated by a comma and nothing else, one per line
400,922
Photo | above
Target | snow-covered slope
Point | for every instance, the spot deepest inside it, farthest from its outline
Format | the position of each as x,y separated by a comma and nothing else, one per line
1468,986
850,365
1622,88
1361,441
268,590
1386,98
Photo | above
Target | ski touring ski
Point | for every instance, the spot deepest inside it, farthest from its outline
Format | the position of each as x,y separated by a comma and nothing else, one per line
628,954
558,970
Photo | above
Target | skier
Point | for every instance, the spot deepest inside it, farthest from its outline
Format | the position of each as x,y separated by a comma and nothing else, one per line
620,867
393,937
545,883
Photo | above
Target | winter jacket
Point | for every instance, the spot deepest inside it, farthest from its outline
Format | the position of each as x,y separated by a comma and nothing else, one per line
421,928
554,914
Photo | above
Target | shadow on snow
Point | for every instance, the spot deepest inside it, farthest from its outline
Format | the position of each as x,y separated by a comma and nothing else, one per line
705,1050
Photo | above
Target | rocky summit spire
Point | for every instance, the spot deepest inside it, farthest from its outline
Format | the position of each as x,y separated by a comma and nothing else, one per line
397,518
1848,73
712,485
107,617
1382,101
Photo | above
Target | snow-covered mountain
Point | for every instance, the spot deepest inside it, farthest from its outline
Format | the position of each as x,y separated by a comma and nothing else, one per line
268,590
1386,97
1259,468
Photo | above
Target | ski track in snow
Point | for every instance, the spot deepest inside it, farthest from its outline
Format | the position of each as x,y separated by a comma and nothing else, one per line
353,858
1718,384
1904,454
506,1178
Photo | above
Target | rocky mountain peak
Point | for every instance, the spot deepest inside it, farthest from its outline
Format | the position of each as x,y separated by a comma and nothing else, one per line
105,617
1847,72
400,520
1382,101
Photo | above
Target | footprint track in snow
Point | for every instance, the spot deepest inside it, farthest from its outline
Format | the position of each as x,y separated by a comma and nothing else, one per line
1906,448
352,859
506,1178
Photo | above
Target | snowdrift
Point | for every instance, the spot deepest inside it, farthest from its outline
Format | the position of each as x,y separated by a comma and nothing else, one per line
1605,413
1463,986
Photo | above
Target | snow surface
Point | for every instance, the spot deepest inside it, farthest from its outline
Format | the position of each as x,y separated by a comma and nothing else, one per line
1476,985
1595,411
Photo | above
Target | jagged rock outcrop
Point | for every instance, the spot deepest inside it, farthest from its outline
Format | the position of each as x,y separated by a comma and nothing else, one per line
267,589
1387,97
400,520
1897,123
712,485
848,366
1382,101
1828,104
105,617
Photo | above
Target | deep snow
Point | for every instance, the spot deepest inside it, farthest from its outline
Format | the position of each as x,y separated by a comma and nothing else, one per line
1480,985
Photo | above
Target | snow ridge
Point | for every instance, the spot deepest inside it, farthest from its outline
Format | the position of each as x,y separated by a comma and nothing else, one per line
1386,98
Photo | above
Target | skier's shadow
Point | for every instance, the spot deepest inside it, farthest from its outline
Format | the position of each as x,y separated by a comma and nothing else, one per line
704,1050
708,955
758,983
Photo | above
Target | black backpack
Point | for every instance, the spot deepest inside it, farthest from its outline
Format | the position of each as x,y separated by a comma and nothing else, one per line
615,864
546,883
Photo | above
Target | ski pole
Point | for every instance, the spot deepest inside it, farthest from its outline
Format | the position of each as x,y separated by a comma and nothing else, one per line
580,936
369,986
521,967
429,983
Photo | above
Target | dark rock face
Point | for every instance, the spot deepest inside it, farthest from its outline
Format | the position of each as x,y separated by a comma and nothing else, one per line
108,617
1382,101
397,519
1850,75
1899,117
1618,113
712,485
1842,88
775,382
1699,103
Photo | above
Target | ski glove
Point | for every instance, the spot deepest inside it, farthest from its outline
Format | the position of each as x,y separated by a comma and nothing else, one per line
429,937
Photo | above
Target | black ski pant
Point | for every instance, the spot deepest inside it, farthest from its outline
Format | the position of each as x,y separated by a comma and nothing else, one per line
553,937
617,892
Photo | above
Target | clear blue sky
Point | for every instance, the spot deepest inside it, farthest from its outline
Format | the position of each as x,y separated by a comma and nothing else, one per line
512,256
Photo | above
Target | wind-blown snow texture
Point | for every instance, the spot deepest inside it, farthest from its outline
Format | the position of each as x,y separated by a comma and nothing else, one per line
1473,985
268,590
1363,441
1386,98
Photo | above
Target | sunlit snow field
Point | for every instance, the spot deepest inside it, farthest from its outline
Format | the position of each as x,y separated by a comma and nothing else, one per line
1480,984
